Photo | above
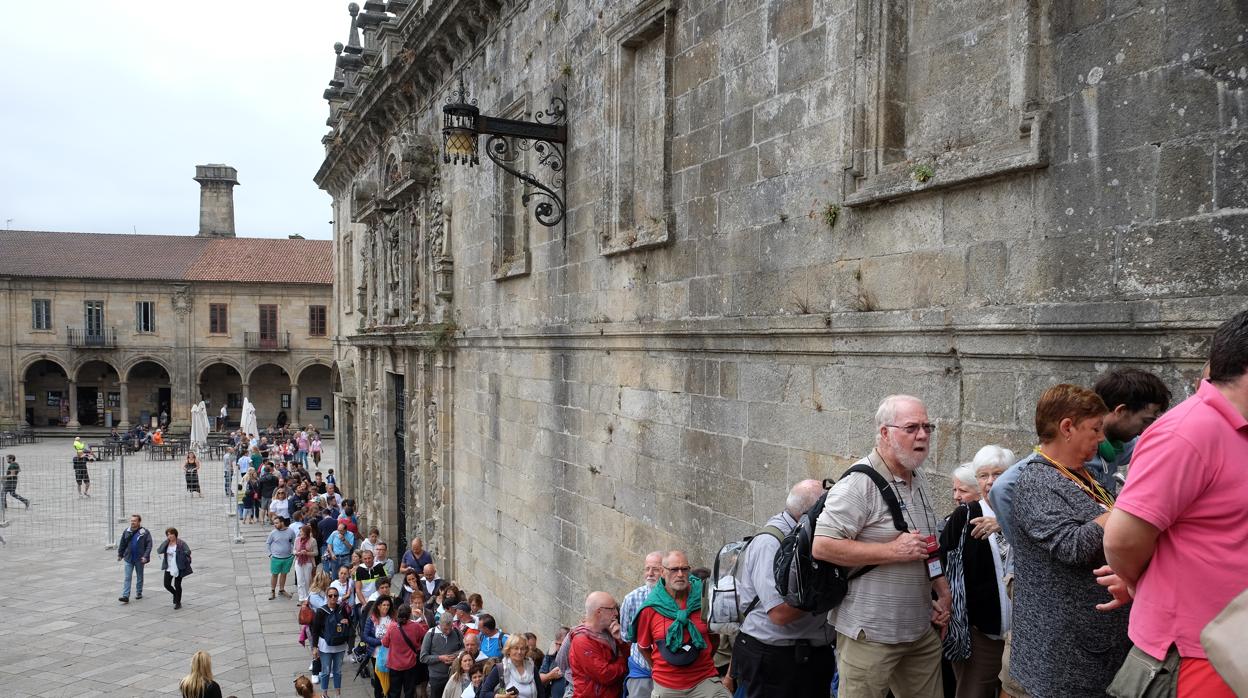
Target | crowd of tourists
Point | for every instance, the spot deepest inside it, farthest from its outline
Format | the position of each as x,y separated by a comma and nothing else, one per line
1106,561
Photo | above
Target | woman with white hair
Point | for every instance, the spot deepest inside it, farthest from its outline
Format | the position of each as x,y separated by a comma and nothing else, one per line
974,554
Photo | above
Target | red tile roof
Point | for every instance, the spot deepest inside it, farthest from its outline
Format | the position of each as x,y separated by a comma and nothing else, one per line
165,257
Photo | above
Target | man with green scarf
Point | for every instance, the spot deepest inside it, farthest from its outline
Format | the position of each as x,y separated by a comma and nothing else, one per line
672,634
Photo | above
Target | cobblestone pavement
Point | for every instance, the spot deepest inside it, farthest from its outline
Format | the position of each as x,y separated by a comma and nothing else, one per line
65,633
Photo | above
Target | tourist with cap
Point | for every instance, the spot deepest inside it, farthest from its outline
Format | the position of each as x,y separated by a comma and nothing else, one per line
674,637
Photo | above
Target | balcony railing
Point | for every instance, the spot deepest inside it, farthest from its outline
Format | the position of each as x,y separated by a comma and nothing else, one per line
103,338
258,342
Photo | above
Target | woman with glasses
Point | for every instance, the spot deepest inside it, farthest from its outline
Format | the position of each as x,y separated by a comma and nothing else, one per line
331,631
1062,645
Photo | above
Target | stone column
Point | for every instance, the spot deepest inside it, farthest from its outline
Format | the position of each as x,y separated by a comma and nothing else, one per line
19,413
246,391
124,423
73,406
294,405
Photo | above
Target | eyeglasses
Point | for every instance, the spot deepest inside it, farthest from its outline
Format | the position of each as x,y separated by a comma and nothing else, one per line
913,428
609,609
679,570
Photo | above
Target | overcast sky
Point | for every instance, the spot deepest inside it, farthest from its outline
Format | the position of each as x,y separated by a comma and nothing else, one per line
106,106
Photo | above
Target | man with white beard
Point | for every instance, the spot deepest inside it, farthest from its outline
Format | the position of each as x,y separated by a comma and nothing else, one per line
639,682
885,638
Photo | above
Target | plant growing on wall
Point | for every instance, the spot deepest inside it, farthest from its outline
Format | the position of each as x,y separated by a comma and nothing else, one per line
831,213
922,173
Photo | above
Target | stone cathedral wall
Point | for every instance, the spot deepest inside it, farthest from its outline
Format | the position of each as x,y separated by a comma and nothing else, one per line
780,212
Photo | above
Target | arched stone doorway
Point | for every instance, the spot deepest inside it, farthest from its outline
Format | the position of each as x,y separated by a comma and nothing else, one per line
44,394
221,384
269,388
96,395
150,392
313,397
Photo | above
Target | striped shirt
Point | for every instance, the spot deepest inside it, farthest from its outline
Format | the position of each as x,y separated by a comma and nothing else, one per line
891,603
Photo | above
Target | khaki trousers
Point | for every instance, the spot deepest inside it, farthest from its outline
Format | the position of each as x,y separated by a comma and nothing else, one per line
708,688
977,676
1009,686
870,669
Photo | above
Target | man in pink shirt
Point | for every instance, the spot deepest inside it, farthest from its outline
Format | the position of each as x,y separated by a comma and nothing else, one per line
1177,531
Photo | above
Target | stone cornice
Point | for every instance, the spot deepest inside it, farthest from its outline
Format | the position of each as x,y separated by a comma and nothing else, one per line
390,93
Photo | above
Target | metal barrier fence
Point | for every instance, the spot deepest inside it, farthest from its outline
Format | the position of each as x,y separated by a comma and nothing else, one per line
63,506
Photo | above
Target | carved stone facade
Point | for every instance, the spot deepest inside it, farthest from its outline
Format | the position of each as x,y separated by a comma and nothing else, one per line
778,211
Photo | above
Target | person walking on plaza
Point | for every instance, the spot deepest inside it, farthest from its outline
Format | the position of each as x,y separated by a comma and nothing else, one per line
884,625
280,545
780,650
175,562
331,632
191,468
11,471
222,417
134,550
595,651
673,635
1175,535
227,469
199,683
82,479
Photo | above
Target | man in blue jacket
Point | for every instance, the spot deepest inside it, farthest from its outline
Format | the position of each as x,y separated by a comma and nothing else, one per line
134,549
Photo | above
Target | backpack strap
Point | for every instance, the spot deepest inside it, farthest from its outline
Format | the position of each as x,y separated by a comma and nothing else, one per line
774,533
886,491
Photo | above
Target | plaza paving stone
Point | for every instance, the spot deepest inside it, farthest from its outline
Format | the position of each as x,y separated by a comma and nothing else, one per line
65,633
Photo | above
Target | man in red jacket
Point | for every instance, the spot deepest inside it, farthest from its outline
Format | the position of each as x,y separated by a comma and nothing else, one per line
597,653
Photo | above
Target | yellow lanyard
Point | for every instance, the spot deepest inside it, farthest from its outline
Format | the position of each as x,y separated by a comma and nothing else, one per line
1093,489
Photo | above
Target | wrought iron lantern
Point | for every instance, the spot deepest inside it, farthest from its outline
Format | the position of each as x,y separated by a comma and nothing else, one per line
508,140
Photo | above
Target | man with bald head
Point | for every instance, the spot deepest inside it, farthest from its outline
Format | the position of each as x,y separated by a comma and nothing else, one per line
597,653
416,557
885,639
639,682
780,650
673,635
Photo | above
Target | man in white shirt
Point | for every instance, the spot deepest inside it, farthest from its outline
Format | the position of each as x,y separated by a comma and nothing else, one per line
222,418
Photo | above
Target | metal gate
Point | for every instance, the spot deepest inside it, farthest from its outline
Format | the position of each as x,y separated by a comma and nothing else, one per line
400,453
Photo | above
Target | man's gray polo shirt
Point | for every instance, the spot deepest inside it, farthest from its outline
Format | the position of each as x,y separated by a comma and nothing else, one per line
892,603
756,577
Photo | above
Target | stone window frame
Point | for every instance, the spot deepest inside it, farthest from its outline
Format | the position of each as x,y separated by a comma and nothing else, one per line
648,20
41,315
224,329
510,264
879,62
145,317
313,321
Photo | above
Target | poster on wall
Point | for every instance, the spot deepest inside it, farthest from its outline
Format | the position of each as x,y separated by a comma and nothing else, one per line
54,398
314,404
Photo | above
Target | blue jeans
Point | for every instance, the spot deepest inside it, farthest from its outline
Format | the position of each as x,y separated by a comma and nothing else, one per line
137,570
331,665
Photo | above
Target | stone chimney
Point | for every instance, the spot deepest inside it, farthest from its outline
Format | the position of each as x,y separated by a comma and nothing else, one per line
216,200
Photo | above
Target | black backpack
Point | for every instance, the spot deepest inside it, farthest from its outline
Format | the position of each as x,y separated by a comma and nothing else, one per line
814,585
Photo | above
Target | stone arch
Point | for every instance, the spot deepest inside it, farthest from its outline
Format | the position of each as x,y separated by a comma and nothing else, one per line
205,364
251,370
81,363
129,365
29,361
308,363
50,380
149,393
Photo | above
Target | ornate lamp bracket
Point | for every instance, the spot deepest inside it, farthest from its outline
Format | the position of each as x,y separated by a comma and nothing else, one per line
509,140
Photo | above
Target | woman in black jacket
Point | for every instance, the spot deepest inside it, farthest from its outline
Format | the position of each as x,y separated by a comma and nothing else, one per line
175,562
974,555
